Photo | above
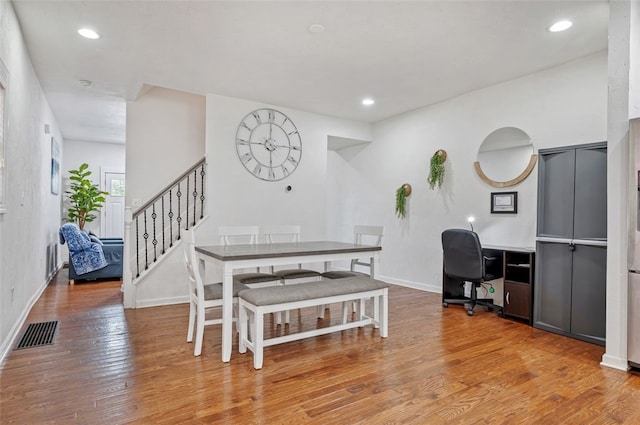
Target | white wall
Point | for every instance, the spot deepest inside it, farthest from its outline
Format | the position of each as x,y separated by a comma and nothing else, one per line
98,156
29,228
620,58
634,60
236,197
165,136
561,106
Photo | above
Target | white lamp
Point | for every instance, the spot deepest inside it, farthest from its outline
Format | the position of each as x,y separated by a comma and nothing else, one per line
471,219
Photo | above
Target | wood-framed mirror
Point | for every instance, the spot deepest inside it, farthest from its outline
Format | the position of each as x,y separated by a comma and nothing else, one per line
506,157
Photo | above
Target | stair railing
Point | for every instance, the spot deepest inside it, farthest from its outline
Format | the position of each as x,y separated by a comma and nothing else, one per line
152,229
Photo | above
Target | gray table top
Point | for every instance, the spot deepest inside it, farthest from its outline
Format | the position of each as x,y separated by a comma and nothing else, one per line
278,250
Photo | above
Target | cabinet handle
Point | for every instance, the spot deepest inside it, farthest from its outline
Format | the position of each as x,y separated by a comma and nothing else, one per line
507,298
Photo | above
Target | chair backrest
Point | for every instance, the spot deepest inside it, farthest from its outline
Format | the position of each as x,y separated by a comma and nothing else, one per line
196,285
462,255
367,235
231,235
282,233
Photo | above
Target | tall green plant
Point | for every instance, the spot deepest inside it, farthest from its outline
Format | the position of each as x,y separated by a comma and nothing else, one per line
84,197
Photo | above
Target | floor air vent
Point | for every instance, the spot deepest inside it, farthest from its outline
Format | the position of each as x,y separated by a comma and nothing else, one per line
38,334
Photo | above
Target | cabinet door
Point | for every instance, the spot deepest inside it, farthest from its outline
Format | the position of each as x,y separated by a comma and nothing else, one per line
517,300
552,301
588,318
590,216
556,172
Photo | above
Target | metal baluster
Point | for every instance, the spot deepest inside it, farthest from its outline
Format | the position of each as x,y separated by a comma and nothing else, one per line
154,241
170,219
179,218
195,194
187,210
202,173
163,225
145,235
137,249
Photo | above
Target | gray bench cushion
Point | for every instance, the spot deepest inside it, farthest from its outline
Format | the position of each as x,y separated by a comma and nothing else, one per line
341,274
213,291
296,273
310,290
249,278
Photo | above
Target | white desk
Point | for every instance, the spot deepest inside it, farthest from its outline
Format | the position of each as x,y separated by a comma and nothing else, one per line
233,257
524,249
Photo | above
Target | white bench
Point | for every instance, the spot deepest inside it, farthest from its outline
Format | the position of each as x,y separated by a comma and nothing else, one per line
256,302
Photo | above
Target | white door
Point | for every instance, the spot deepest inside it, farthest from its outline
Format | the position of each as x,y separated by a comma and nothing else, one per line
113,211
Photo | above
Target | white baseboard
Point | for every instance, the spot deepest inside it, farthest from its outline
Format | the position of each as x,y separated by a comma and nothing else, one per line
614,362
410,284
9,342
157,302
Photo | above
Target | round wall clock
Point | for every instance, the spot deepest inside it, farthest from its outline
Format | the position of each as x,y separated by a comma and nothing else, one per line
268,144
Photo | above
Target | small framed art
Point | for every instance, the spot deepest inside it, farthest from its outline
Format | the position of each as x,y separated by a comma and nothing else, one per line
504,202
55,167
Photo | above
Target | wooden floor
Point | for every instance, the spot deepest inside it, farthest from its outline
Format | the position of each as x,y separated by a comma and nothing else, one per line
111,366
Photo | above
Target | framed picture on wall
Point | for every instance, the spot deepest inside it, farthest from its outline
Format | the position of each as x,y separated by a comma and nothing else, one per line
504,202
55,166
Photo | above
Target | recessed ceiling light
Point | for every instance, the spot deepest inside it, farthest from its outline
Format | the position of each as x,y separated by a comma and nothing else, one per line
368,102
88,33
316,28
560,26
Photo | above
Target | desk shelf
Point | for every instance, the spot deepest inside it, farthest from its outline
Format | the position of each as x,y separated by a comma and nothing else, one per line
518,284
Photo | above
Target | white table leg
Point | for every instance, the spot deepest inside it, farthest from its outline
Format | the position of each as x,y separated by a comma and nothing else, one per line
227,312
375,260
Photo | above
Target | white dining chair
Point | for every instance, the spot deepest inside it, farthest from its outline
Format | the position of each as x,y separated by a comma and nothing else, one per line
202,297
367,235
231,235
291,233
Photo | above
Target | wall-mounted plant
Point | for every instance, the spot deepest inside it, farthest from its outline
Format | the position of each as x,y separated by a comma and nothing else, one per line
402,193
436,169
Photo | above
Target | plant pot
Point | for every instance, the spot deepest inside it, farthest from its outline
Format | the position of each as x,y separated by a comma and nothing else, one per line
407,189
442,153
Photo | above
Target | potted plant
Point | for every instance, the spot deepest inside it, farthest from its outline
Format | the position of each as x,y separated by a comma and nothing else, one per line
436,169
401,200
84,197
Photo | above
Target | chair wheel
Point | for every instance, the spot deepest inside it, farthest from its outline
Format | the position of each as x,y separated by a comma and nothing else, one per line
469,312
445,304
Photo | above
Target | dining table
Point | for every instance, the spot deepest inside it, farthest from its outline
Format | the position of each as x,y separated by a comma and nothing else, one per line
247,256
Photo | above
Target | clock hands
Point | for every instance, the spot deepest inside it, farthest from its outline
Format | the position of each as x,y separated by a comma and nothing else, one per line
268,144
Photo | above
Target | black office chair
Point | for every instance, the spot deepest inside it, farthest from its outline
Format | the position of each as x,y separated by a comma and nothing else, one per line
464,262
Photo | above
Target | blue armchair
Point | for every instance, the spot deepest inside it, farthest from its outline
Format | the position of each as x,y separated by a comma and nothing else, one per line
91,258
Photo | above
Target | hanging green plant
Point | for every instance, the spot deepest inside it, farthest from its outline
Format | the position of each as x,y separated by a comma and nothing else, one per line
401,200
436,169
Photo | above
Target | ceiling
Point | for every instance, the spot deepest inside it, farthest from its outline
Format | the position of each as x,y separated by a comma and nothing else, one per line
404,54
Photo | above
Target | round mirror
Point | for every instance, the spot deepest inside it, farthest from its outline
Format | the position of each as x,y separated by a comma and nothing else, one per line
505,157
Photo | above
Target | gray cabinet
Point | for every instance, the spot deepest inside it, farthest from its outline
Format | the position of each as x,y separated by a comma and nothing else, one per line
571,244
